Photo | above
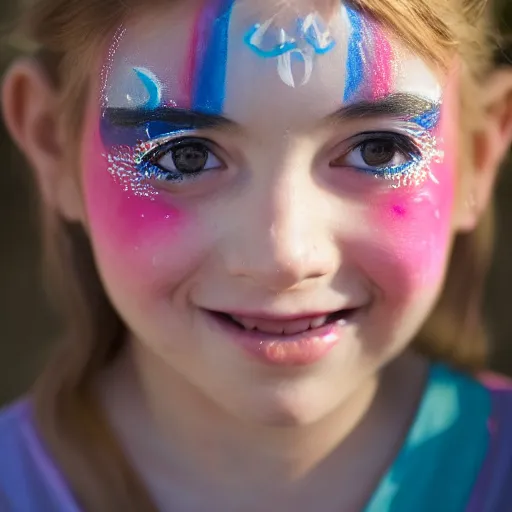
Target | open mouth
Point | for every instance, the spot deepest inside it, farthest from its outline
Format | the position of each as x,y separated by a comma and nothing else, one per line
285,327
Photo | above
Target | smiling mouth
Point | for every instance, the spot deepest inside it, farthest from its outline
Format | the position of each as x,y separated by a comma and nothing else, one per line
285,327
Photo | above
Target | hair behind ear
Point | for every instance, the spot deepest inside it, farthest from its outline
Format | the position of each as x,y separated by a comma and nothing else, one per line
455,331
67,411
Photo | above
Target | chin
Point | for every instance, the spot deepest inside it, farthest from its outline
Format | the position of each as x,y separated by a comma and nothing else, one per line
283,417
284,406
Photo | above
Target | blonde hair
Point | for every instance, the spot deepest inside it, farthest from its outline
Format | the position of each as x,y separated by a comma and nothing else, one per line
69,32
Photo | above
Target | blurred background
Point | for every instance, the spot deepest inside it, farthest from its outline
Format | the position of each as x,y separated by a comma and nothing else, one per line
28,326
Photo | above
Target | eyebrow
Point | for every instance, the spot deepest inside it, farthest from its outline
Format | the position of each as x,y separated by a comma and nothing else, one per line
411,107
180,119
406,106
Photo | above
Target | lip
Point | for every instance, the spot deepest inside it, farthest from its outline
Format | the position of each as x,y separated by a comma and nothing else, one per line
295,350
281,318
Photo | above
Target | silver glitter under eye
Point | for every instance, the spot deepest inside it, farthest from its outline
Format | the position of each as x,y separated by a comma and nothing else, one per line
126,165
131,169
122,166
419,170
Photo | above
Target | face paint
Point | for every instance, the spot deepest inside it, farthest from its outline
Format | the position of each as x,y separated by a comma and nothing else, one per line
311,38
153,86
371,59
355,61
421,154
373,67
212,185
209,86
371,72
131,160
417,219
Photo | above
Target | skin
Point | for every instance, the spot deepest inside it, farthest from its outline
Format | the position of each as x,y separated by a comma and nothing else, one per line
308,240
281,230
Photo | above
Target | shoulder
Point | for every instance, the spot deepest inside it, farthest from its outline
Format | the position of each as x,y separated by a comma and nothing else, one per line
29,481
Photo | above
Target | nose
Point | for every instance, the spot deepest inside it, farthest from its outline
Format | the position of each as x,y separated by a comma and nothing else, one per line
283,236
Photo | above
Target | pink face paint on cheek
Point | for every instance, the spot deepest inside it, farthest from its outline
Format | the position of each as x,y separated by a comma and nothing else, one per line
122,222
417,229
414,222
399,210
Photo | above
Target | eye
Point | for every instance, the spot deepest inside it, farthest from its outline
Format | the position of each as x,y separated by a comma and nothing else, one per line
180,159
379,153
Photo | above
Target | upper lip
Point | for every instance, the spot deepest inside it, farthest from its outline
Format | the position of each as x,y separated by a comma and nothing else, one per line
273,317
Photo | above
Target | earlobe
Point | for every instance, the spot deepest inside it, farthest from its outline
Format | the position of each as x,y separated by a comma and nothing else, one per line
31,114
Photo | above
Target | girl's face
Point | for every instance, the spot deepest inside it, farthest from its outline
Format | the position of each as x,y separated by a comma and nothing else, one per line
269,197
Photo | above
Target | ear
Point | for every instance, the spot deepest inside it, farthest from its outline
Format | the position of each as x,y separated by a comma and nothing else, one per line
32,116
491,141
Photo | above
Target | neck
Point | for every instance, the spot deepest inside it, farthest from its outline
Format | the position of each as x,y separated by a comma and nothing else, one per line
173,432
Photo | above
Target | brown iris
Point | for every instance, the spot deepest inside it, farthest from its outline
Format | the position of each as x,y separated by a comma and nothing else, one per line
190,158
378,153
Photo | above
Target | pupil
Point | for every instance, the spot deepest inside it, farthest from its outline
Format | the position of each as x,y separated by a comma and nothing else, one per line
190,158
378,152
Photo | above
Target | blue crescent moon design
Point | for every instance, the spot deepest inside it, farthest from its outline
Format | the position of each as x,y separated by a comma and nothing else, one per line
152,85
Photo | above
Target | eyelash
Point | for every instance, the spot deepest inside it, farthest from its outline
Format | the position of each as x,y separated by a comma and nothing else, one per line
404,144
148,154
419,148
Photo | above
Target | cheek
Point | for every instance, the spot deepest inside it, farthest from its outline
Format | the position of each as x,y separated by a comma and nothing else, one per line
413,233
140,242
413,230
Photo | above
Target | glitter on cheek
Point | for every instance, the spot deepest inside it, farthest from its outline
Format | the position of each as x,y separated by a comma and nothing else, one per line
419,170
121,165
414,225
124,212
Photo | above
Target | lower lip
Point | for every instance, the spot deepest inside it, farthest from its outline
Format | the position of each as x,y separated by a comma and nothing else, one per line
301,349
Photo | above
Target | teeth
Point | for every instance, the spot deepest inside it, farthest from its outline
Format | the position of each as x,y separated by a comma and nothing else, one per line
248,323
296,326
318,322
276,327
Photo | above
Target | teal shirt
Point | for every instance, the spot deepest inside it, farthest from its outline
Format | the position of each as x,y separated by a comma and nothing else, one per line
442,455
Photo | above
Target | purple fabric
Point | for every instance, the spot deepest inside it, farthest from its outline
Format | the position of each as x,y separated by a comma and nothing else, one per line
44,464
493,489
29,479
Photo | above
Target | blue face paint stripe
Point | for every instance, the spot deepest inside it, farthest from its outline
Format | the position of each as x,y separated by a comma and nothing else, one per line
355,62
428,120
272,53
209,89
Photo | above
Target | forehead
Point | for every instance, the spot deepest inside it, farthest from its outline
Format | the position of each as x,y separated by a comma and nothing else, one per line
231,57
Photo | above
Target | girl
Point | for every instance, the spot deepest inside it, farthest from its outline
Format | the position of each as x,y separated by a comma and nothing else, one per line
270,225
